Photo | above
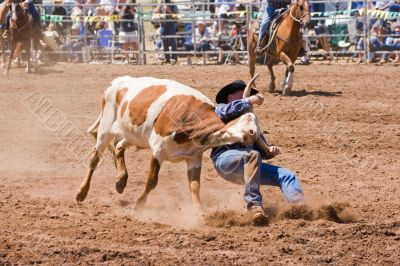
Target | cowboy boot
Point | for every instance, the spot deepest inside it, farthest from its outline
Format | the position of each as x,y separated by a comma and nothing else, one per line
261,45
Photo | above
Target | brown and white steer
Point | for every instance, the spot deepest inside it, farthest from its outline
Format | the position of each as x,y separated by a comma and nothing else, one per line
176,122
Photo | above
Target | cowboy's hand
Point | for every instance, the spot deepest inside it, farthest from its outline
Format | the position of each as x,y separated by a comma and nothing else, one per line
274,150
256,99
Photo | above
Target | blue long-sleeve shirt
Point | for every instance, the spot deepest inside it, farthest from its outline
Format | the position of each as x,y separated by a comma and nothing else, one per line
228,112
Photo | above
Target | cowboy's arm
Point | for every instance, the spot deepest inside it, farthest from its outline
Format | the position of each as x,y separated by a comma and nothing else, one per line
273,150
237,107
232,109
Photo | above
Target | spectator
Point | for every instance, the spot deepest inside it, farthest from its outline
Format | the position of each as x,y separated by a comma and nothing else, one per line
91,7
222,8
78,12
51,38
106,7
395,7
60,11
73,44
383,5
167,29
128,31
51,43
202,39
233,44
392,40
376,43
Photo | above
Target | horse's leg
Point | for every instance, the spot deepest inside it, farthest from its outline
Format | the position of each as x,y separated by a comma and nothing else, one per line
3,50
12,51
271,73
28,54
290,69
284,80
18,53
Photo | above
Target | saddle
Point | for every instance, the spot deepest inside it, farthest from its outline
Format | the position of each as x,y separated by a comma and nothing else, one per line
278,15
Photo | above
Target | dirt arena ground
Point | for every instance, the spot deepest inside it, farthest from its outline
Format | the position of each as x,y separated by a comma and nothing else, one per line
339,131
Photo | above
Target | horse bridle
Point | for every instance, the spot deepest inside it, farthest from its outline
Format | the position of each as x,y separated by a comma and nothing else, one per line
298,20
14,17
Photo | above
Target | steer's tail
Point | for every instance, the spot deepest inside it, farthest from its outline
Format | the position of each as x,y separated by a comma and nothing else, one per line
92,130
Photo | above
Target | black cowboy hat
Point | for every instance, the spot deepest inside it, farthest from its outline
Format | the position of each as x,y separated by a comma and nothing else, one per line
222,95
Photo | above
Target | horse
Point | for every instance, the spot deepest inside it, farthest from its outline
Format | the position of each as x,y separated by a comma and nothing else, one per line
3,13
284,45
22,35
3,49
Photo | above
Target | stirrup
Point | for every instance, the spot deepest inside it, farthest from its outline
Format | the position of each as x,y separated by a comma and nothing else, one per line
5,34
261,50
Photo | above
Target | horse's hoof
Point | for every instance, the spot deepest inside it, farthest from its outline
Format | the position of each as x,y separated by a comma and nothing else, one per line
121,183
139,206
271,88
81,196
286,91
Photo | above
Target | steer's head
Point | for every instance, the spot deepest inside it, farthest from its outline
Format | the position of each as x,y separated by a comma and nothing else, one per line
244,129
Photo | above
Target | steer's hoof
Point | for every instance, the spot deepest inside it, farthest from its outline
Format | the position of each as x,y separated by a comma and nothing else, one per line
121,184
81,196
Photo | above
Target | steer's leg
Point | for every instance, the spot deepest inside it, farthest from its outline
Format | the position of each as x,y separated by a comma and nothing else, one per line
194,171
151,183
122,176
98,150
104,137
290,67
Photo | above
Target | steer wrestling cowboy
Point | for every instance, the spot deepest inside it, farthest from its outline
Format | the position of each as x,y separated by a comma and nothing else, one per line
241,164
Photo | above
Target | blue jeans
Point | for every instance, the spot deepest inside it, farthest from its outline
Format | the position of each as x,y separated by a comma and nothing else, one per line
394,8
268,15
235,165
379,46
169,29
202,47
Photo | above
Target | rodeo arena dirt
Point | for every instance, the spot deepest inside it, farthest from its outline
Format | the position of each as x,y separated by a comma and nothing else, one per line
338,130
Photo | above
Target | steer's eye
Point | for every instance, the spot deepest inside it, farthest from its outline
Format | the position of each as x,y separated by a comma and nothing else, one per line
251,132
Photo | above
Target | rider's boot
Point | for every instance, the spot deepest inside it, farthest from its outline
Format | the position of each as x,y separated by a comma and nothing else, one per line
261,44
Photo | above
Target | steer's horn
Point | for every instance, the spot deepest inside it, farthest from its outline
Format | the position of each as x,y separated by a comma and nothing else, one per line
261,144
247,90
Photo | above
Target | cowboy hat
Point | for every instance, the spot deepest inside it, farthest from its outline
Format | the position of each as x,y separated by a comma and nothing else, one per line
222,95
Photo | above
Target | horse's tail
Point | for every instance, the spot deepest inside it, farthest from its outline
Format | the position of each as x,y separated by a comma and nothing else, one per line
252,40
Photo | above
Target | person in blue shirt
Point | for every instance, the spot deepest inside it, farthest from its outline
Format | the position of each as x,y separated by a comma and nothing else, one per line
168,30
242,164
268,16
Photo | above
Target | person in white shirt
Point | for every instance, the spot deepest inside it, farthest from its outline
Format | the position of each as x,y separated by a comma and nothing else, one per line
202,39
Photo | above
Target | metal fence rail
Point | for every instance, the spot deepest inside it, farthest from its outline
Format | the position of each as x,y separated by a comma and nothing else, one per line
335,15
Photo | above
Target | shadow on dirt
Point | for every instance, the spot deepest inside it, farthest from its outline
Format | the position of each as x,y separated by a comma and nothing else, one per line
41,71
302,93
